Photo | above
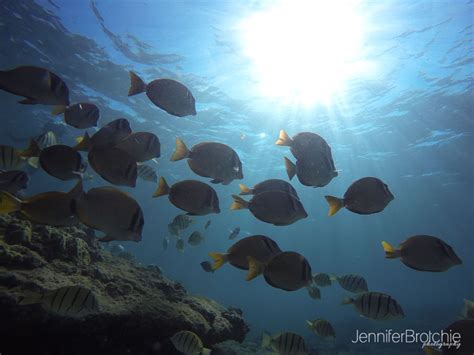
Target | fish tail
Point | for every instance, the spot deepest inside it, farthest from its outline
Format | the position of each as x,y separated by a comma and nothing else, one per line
255,268
9,203
266,340
335,204
57,110
33,150
83,143
219,260
137,85
284,139
347,300
390,252
162,189
239,203
244,190
181,151
29,297
430,351
290,168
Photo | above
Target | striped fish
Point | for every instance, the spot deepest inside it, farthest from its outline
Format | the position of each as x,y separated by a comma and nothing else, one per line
353,283
189,343
285,344
314,292
10,158
13,181
321,279
46,139
147,173
376,305
181,222
180,245
72,301
322,328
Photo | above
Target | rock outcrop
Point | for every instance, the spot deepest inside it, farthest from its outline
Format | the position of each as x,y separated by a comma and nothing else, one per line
140,309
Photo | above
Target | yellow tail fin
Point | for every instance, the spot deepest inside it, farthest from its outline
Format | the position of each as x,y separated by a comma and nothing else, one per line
347,300
181,150
9,203
335,204
255,268
239,203
83,143
390,252
430,351
57,110
266,340
33,150
290,168
137,85
284,139
244,190
219,260
162,189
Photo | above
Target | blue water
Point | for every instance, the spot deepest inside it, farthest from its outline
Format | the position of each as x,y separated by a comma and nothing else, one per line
409,121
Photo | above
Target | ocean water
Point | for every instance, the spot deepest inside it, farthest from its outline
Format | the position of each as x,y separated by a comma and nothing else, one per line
399,107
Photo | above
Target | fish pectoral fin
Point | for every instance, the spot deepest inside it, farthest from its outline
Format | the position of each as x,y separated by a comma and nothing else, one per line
255,268
28,101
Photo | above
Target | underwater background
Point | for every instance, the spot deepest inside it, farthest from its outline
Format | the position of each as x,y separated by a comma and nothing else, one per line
406,117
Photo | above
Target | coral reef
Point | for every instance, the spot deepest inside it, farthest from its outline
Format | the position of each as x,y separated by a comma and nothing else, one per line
140,309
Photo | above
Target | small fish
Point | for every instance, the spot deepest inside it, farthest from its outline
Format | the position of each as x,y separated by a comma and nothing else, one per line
117,249
141,146
322,328
13,181
166,242
173,230
192,196
82,115
67,301
169,95
181,222
314,292
195,238
189,343
207,266
46,139
275,207
114,165
234,233
376,305
62,162
285,344
288,271
15,159
468,311
352,283
180,244
321,279
424,253
208,223
147,173
365,196
37,85
108,136
268,185
210,159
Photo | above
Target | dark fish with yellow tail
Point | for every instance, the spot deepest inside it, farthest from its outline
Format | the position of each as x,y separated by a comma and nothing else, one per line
14,159
192,196
62,162
424,253
147,173
260,247
111,211
195,238
67,301
108,136
352,283
365,196
169,95
322,328
210,159
51,208
288,271
46,139
305,145
321,279
268,185
314,172
189,343
275,207
142,146
314,292
82,115
37,85
114,165
376,305
285,344
13,181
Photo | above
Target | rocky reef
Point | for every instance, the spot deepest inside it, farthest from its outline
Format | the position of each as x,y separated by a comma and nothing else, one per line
140,309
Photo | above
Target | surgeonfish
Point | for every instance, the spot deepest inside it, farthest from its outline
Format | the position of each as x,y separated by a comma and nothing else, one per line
275,207
285,344
13,181
304,145
169,95
352,283
141,146
62,162
322,328
376,305
37,85
314,292
107,136
114,165
314,172
210,159
365,196
424,253
321,279
268,185
66,301
147,173
192,196
234,233
189,343
81,115
195,238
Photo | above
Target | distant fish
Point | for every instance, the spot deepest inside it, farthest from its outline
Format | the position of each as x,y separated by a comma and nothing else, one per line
208,223
285,344
365,196
322,328
207,266
166,242
173,230
147,173
468,311
268,185
195,238
376,305
314,292
352,283
181,222
117,249
114,165
321,279
67,301
62,162
108,136
15,159
234,233
82,115
424,253
142,146
180,244
189,343
46,139
37,85
13,181
169,95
